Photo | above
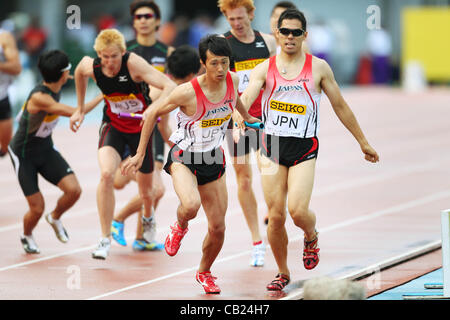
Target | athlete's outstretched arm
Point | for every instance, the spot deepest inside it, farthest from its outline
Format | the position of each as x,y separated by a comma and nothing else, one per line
245,116
343,111
141,70
83,72
44,102
164,128
93,103
11,65
163,121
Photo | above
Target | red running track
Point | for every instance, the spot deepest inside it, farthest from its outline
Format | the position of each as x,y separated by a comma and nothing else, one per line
365,213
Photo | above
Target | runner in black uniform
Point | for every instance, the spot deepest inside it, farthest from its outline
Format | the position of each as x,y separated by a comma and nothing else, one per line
32,151
250,48
124,79
146,20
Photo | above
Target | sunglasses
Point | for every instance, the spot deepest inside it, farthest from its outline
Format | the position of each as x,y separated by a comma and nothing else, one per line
145,15
294,32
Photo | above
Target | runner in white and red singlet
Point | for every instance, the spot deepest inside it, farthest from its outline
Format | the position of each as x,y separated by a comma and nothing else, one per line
294,81
196,162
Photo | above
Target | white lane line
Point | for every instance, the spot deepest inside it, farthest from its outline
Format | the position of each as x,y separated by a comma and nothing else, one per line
404,206
68,215
377,267
141,284
371,216
319,191
49,191
22,264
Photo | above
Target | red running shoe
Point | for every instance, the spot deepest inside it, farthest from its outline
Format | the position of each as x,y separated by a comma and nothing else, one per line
311,253
207,281
173,240
281,281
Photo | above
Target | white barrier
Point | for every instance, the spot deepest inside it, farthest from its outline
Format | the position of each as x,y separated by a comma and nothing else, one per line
445,231
445,248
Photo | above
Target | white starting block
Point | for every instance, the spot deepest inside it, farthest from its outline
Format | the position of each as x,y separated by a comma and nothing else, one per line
445,231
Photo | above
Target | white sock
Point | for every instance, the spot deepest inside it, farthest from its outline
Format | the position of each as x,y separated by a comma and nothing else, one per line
51,219
30,237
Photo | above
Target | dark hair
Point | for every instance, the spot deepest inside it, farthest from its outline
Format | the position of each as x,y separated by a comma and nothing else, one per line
51,64
183,61
285,5
216,44
292,14
145,3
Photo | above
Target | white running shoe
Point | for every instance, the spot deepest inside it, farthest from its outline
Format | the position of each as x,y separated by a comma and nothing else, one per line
149,229
29,245
57,226
102,250
258,254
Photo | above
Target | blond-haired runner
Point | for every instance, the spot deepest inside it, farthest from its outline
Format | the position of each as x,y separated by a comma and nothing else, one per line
293,82
123,78
196,162
250,47
183,65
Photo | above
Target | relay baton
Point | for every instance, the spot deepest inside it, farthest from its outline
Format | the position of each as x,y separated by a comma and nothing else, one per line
256,125
130,115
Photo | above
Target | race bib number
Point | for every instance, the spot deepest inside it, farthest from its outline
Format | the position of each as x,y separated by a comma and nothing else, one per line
128,104
47,126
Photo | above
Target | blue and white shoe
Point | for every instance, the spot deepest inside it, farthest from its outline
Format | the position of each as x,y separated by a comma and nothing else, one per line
117,232
144,245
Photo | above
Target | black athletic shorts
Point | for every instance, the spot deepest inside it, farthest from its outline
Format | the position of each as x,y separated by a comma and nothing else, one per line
206,166
289,151
5,109
158,145
251,140
110,136
48,163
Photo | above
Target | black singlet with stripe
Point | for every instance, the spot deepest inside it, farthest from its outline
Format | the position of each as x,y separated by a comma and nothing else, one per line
246,56
247,51
156,54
